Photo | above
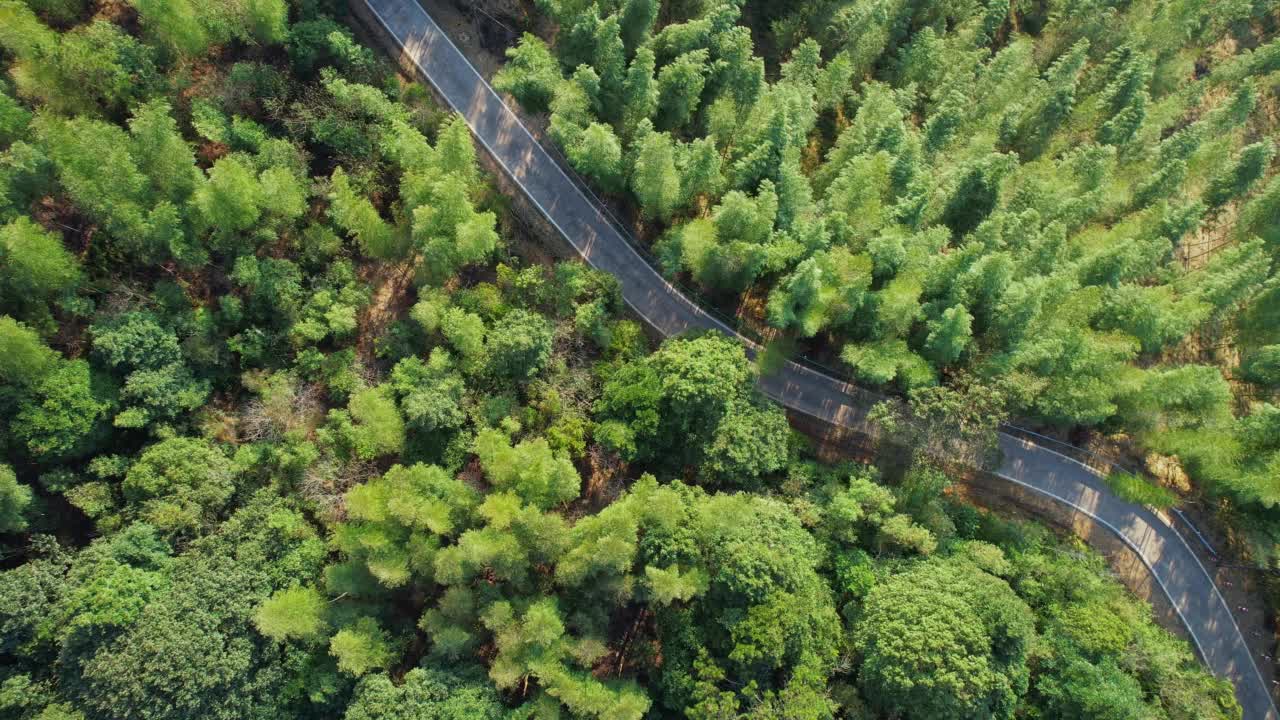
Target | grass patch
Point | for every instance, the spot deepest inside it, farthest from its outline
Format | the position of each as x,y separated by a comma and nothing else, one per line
1134,489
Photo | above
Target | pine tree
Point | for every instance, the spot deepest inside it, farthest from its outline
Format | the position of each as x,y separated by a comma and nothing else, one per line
1237,179
228,200
296,612
638,17
640,93
1261,215
610,62
598,155
15,498
176,24
654,179
700,175
352,212
949,335
162,154
1126,95
531,73
33,263
680,89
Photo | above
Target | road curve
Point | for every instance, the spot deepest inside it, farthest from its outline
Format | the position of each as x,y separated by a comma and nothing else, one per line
1173,565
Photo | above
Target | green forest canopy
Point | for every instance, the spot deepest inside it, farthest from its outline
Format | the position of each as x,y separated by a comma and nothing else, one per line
289,429
1072,202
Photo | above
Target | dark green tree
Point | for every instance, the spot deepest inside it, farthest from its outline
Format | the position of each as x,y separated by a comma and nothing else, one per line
425,692
1244,172
944,640
180,485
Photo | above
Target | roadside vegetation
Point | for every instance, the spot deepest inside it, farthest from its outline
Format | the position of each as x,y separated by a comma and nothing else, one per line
1070,204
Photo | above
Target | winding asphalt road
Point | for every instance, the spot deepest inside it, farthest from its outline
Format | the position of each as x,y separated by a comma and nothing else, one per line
1173,565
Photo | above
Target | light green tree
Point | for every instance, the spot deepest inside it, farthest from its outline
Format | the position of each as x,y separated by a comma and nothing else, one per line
162,154
426,692
354,213
700,169
610,62
33,263
654,179
529,469
639,91
519,345
95,167
266,21
637,20
293,613
395,522
15,497
1260,217
175,24
361,647
379,428
598,155
949,335
531,73
24,358
229,200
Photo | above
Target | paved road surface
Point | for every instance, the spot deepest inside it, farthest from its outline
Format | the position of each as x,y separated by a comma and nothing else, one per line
1176,569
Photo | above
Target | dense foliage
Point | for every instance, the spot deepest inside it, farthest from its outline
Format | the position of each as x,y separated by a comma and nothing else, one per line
1074,201
290,429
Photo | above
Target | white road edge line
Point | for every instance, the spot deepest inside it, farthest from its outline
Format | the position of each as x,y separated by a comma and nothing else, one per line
1183,541
1150,569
